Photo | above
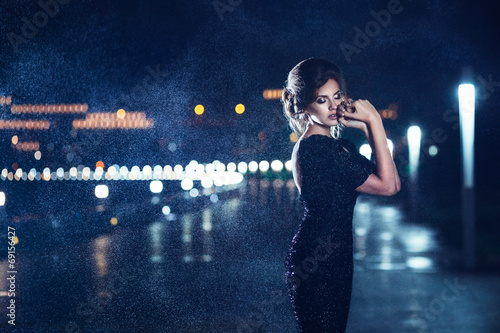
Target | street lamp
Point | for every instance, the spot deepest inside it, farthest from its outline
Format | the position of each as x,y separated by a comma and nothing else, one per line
414,137
391,146
101,191
156,186
366,150
466,102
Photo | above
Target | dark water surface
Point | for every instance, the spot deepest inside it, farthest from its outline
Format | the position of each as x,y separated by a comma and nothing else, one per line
217,266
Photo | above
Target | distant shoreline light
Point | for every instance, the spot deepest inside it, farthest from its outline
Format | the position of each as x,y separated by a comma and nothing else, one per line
207,174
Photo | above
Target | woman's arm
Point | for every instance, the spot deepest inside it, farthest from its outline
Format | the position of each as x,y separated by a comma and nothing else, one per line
386,180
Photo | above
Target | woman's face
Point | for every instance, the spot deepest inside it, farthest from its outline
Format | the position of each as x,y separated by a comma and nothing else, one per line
323,110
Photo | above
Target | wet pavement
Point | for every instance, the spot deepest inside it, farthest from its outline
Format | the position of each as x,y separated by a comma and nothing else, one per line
218,266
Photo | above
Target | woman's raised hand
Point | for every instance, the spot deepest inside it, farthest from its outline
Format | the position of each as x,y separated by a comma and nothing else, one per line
360,114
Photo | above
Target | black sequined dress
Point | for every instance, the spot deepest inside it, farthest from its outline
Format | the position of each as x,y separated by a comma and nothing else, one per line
320,261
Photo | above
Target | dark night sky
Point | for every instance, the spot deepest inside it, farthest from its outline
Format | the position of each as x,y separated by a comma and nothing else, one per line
93,50
96,51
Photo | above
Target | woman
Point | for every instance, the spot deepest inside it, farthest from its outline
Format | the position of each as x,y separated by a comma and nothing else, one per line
329,174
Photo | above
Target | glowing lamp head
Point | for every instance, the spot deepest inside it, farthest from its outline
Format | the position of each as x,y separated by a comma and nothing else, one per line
466,89
120,114
366,151
199,109
101,191
240,108
466,103
414,135
156,186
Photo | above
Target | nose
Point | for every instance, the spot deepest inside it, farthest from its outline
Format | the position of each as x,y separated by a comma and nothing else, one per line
333,105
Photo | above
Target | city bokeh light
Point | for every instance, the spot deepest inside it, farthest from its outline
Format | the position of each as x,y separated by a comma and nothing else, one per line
199,109
240,108
150,176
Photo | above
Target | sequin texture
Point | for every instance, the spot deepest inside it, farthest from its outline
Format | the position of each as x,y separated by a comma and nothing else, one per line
319,264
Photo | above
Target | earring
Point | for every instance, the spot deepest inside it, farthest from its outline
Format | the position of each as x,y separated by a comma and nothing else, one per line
336,130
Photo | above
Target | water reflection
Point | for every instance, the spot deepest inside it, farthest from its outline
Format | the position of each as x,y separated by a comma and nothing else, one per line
420,263
187,221
100,247
156,233
384,242
204,259
361,227
197,233
264,191
419,239
207,234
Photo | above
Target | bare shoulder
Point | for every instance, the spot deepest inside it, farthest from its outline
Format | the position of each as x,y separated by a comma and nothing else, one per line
295,151
296,147
297,176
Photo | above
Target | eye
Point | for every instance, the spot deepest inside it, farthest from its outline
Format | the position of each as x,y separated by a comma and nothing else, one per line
320,100
337,96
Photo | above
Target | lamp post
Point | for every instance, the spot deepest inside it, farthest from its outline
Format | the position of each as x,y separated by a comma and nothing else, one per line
366,150
466,102
414,136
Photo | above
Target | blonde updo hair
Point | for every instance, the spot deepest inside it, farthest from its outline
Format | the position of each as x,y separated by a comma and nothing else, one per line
301,89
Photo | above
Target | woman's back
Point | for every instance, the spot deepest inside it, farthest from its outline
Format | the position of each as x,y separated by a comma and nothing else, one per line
320,277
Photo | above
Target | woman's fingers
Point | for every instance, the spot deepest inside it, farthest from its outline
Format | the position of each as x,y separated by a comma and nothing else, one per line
363,110
363,103
350,107
351,111
352,123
